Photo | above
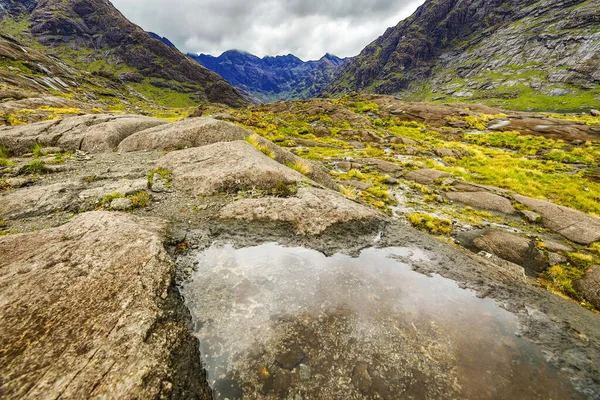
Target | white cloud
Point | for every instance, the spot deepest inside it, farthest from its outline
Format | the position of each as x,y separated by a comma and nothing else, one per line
306,28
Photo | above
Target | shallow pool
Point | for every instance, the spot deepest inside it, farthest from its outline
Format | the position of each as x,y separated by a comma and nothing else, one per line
277,322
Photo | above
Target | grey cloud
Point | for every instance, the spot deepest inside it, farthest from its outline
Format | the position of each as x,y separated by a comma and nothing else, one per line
306,28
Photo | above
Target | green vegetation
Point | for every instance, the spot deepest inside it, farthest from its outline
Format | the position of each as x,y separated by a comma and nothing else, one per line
140,199
34,167
301,166
113,196
255,141
164,174
431,224
37,150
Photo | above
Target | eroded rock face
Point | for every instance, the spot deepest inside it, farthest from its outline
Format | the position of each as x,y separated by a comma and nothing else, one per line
312,211
572,224
191,132
226,167
91,133
86,311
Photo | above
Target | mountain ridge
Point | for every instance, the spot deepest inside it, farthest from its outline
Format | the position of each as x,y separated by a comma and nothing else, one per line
506,53
272,78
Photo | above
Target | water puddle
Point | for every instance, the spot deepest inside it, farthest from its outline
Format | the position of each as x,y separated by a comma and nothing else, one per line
276,322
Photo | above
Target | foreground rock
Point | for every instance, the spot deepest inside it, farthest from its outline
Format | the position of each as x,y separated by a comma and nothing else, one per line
589,286
91,133
191,132
572,224
311,212
226,168
87,312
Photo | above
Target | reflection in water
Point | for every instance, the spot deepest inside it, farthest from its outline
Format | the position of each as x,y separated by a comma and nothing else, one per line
276,322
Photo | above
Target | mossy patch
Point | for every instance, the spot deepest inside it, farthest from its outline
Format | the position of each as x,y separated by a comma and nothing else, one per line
431,224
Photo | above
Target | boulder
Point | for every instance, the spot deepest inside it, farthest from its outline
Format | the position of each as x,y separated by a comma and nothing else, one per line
454,153
121,204
531,216
595,113
226,167
387,167
483,201
403,140
572,224
589,285
91,133
310,212
87,311
361,135
187,133
516,249
426,176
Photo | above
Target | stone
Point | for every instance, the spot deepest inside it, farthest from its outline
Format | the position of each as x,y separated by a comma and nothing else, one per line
387,167
483,201
321,131
403,140
572,224
311,212
361,378
361,135
510,247
94,133
426,176
304,372
160,185
125,187
291,357
557,247
121,204
589,285
412,151
454,153
595,113
187,133
531,216
360,185
226,167
555,259
50,150
88,311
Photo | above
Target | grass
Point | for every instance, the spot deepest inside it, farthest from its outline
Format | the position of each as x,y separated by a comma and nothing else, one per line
349,192
37,150
301,166
140,199
113,196
431,224
254,140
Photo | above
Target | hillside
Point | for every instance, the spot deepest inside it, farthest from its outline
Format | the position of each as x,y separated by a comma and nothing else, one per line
93,36
522,55
274,78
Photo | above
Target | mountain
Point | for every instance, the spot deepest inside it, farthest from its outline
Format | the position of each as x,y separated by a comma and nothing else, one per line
514,53
273,78
93,36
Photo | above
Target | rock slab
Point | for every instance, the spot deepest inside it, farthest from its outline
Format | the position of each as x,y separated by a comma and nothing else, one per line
86,313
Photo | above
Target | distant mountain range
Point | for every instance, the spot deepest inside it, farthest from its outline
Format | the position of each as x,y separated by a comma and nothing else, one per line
274,78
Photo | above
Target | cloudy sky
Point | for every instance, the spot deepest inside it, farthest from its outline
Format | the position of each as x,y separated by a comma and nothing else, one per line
306,28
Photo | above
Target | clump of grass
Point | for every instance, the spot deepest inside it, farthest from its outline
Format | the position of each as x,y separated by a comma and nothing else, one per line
560,278
34,167
164,174
301,166
14,120
4,152
431,224
263,148
141,199
349,192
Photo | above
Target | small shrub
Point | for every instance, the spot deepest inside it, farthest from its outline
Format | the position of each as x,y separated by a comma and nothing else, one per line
301,166
141,199
34,167
431,224
284,190
37,150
